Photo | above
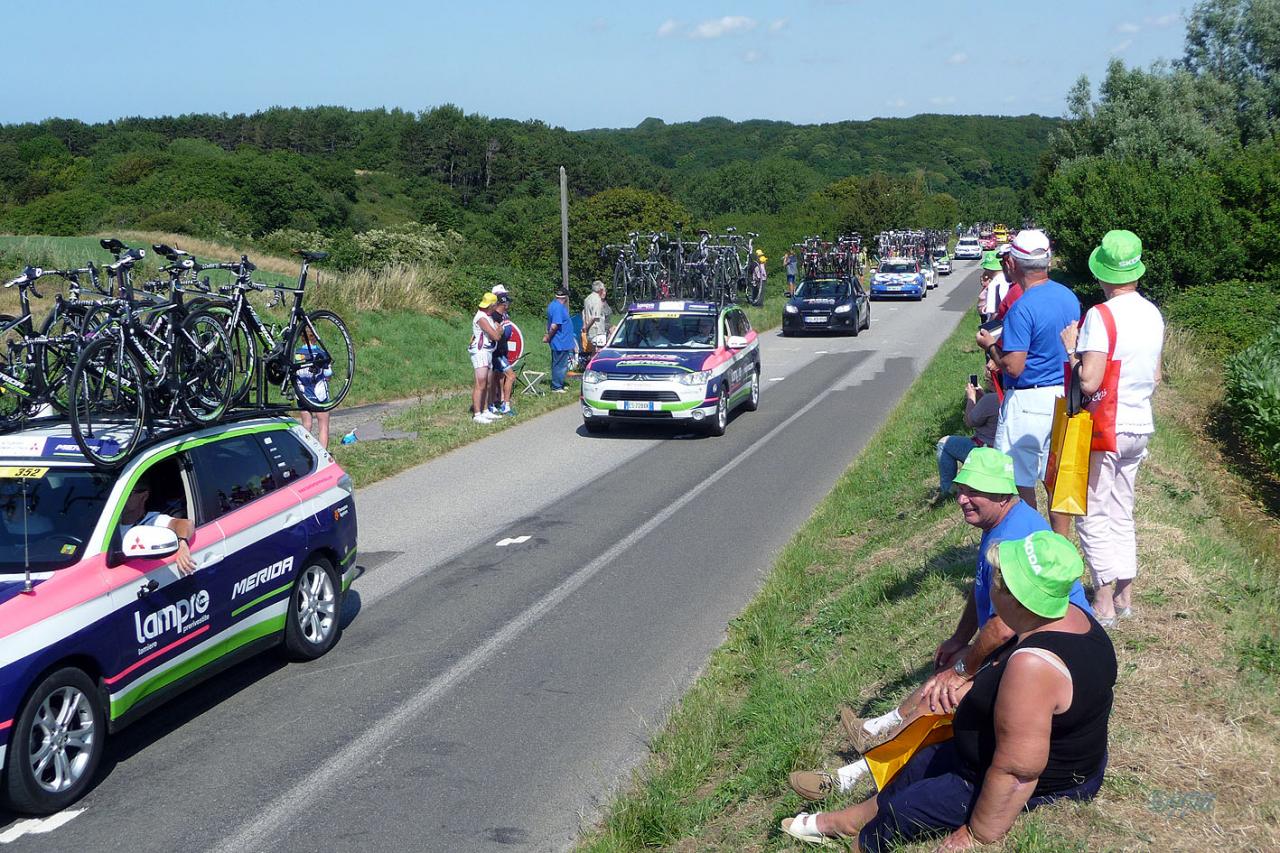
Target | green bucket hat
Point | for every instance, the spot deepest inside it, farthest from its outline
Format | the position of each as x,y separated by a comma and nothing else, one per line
991,261
1119,259
988,470
1040,570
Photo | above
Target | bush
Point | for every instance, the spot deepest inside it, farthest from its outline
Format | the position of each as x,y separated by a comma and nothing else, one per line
1226,317
466,283
1253,395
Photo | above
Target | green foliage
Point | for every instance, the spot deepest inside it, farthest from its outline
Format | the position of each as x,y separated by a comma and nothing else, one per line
410,243
1253,395
1227,316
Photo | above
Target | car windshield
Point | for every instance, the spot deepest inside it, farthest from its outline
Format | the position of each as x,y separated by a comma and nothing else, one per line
969,241
665,330
48,518
898,267
939,253
827,288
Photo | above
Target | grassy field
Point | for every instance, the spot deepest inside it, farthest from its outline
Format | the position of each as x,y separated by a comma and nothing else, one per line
858,600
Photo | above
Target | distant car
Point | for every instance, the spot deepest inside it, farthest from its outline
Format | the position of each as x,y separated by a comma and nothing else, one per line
674,360
898,278
1001,234
930,277
827,304
968,249
988,242
941,263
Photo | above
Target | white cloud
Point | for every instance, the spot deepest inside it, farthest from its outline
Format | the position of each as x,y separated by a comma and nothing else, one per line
752,55
1161,22
717,27
1122,46
777,25
669,27
943,101
959,58
897,103
1128,27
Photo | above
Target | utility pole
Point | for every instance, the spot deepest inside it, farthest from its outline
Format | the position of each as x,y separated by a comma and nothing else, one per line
564,228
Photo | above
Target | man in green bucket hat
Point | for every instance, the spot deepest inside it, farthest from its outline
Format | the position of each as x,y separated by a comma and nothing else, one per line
1120,376
990,277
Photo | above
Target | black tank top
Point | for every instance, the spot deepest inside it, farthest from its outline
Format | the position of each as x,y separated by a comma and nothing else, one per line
1078,736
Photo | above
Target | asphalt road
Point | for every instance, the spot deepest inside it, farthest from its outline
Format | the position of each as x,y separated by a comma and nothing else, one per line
490,694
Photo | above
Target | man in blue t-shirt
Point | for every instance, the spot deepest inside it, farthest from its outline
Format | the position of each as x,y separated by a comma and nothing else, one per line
1030,354
560,336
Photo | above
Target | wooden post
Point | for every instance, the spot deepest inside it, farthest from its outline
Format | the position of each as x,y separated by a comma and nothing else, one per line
564,228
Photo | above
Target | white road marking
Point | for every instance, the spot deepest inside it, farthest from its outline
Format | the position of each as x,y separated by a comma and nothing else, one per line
38,825
776,378
502,543
358,754
820,352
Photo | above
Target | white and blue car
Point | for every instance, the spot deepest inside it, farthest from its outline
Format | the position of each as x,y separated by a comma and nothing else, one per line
899,278
674,361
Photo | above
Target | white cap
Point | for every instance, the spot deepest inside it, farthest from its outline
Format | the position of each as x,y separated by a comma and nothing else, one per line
1031,244
498,288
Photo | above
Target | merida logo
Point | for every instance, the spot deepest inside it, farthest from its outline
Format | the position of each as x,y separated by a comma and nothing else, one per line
261,576
172,617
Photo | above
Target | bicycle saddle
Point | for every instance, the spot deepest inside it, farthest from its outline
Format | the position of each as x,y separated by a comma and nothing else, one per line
112,245
311,257
168,251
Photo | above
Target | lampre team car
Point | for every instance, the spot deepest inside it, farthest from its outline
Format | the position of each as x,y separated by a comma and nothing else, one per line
899,278
827,304
98,625
674,361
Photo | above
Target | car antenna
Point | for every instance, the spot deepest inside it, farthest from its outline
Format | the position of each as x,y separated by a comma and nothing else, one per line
26,541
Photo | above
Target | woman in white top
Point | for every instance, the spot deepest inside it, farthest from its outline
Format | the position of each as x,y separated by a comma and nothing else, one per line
484,336
1107,534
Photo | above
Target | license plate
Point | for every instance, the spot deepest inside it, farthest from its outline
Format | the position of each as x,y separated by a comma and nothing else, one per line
637,406
815,319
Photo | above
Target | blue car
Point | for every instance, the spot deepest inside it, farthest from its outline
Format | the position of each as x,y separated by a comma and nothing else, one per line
899,278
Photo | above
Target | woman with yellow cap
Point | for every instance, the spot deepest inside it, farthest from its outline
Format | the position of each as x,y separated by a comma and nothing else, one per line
484,337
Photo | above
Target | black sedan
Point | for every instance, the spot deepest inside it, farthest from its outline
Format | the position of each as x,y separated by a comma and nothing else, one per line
827,304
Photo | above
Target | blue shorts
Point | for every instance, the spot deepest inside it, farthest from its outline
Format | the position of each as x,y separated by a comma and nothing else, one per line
929,798
500,364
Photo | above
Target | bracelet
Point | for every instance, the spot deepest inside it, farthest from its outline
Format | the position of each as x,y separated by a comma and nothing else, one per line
184,539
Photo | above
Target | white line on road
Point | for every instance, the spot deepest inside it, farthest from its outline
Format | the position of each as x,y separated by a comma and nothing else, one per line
359,754
37,825
776,378
502,543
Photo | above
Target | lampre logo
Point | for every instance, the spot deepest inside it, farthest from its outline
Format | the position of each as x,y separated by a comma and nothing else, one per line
261,576
179,616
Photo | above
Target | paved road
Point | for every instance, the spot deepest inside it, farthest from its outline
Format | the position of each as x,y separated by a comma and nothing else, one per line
490,696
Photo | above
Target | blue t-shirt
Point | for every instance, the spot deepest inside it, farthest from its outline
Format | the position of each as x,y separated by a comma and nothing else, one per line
1019,523
558,312
1034,325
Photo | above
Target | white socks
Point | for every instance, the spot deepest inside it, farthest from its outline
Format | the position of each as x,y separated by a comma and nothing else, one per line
849,775
883,723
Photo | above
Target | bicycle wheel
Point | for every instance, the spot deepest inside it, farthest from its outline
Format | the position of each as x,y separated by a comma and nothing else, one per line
106,402
244,349
323,362
203,367
58,355
17,385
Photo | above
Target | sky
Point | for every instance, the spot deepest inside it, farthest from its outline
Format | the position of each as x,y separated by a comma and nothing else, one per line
572,63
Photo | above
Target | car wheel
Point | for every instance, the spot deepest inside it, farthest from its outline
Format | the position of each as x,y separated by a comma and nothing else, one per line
867,325
717,424
753,400
311,625
595,427
857,326
56,745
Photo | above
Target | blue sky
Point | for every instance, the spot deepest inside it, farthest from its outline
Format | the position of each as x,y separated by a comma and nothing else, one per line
572,63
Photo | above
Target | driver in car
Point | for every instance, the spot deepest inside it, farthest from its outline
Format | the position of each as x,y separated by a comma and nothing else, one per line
705,334
135,512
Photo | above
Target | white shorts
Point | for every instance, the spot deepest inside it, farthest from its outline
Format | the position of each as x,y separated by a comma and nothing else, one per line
481,358
1024,429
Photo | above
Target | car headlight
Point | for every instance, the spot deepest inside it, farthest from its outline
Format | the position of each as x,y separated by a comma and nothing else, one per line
591,377
843,309
790,309
701,377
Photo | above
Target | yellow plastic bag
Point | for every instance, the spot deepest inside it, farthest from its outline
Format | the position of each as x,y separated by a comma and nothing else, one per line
887,759
1067,476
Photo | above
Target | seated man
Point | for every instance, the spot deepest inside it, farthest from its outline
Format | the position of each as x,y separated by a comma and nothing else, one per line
136,512
704,334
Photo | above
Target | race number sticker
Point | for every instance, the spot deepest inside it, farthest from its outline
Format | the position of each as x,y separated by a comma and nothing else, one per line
13,472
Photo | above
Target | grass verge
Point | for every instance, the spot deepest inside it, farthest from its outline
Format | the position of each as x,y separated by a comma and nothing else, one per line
859,598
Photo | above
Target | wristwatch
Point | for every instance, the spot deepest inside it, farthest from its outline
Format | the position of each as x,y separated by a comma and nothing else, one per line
959,668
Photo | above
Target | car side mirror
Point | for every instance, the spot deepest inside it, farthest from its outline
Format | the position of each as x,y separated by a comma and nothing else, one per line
144,542
735,342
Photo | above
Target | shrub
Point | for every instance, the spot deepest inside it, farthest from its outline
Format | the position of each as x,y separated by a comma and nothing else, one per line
1253,395
1226,317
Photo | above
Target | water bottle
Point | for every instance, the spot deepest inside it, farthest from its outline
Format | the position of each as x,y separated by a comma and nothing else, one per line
351,437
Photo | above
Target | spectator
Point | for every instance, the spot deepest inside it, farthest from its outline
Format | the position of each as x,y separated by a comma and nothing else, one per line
502,377
792,267
981,411
1107,534
595,317
988,500
990,269
1030,728
760,273
560,336
1030,354
998,287
313,382
1014,291
484,335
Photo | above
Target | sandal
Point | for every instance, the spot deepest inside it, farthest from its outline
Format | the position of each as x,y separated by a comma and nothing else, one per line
1125,613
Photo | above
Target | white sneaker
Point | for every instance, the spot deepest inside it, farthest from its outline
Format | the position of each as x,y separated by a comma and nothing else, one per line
804,827
482,419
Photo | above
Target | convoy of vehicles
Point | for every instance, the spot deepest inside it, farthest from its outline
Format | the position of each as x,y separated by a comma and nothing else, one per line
827,305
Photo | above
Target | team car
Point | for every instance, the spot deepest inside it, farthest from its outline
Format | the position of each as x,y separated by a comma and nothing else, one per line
941,263
968,249
898,278
99,624
930,277
827,304
674,361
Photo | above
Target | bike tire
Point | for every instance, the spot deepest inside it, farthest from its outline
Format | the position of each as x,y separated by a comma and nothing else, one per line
244,349
335,340
203,367
15,405
107,403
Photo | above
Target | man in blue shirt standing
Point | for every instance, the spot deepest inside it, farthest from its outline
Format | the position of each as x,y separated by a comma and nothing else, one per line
560,336
1031,355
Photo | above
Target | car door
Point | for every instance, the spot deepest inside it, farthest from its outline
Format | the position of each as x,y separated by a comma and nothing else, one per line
742,364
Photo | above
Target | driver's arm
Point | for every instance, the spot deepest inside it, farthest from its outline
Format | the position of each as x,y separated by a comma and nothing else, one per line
185,530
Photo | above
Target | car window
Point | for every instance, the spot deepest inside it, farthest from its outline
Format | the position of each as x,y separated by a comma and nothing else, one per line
45,520
744,324
231,473
289,458
738,323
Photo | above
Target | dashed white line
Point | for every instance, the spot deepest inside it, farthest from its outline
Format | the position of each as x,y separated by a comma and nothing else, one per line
776,378
517,540
38,825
